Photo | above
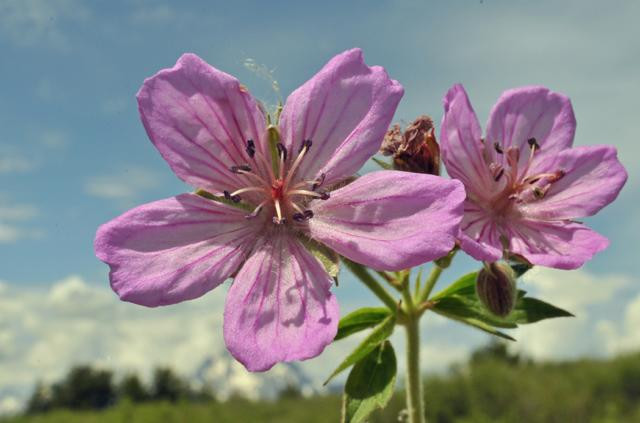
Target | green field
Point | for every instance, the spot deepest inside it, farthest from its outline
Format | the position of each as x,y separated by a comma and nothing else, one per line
492,387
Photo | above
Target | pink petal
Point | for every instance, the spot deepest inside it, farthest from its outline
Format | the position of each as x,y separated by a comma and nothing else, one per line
555,244
479,236
461,142
200,119
173,250
532,112
279,307
390,220
593,178
345,110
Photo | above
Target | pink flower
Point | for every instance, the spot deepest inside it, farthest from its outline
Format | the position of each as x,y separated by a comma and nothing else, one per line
213,135
525,183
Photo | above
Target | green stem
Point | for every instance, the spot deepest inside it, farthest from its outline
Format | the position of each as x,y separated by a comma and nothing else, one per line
415,405
431,282
366,278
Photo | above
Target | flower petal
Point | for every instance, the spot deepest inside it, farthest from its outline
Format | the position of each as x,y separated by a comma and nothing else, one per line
532,112
173,250
200,119
345,109
461,142
555,244
479,237
279,307
593,178
390,220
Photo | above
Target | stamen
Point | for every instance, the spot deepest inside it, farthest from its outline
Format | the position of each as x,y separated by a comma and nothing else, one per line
250,149
230,197
278,218
318,182
498,148
247,189
297,207
256,211
533,143
282,151
496,170
301,217
323,195
306,144
239,169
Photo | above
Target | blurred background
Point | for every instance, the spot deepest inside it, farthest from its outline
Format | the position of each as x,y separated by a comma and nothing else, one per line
73,155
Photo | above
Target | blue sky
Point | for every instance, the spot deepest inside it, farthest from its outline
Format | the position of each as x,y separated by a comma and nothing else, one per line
73,153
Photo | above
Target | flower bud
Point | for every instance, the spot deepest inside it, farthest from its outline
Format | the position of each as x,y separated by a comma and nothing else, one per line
415,149
496,288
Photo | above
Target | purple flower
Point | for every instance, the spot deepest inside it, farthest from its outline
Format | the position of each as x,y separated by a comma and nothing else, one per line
525,183
214,136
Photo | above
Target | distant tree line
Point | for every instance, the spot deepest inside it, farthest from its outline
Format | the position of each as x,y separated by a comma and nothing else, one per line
85,387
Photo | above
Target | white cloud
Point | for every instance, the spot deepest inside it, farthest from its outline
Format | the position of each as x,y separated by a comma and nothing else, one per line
54,139
46,330
12,221
10,163
578,291
36,22
622,336
122,186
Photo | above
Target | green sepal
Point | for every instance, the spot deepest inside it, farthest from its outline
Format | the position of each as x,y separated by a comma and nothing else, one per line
273,134
221,199
382,164
370,384
361,319
379,334
329,259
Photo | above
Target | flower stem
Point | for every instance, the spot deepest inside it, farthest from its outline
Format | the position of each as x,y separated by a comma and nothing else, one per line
366,278
431,282
415,405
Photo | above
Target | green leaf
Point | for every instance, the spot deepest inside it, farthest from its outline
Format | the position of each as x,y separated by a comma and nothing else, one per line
459,302
379,334
478,324
520,268
470,307
383,164
464,286
329,259
361,319
531,310
370,384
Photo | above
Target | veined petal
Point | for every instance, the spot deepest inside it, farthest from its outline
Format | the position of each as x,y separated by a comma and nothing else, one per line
279,307
390,220
173,250
461,142
593,178
561,245
200,119
479,237
532,112
345,110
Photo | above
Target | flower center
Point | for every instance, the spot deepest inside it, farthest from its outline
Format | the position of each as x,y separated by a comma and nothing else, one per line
517,187
284,199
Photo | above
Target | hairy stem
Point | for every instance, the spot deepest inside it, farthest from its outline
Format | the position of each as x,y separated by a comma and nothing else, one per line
415,405
430,283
